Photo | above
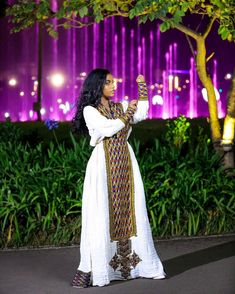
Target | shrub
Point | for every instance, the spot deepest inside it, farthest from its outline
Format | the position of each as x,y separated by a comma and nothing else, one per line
187,191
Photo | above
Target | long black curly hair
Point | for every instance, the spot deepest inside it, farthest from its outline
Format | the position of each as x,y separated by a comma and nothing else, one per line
91,93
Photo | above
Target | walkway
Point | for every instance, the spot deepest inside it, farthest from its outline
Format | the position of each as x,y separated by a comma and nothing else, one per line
194,266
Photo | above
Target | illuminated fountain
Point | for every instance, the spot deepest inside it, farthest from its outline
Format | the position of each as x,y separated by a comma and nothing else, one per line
118,44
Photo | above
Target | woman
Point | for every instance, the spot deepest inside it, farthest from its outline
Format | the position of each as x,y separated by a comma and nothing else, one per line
116,240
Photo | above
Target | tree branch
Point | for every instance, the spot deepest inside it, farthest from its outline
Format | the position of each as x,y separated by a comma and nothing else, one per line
208,29
191,47
78,24
183,29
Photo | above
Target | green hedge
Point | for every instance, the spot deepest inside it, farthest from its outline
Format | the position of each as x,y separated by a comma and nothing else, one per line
187,191
34,133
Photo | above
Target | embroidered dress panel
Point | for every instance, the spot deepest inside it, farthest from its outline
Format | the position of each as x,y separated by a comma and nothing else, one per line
120,177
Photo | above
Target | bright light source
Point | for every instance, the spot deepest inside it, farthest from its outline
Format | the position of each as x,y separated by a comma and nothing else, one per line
126,97
22,93
120,80
33,78
7,114
152,87
228,76
32,93
187,81
205,96
59,100
83,74
176,82
35,86
31,113
42,111
62,106
157,99
115,83
57,80
170,88
12,82
228,134
67,105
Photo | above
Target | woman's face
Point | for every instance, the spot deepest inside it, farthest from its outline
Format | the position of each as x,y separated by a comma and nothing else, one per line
109,87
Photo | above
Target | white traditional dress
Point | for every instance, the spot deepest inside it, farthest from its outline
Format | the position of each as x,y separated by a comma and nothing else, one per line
116,239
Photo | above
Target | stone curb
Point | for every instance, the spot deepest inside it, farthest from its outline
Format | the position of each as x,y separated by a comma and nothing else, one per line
156,240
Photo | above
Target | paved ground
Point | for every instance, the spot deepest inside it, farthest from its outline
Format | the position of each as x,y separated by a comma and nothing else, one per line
197,266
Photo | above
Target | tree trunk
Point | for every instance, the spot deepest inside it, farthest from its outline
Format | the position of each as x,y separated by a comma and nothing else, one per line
207,83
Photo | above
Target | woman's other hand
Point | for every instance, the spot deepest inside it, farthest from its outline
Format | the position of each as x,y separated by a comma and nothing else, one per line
133,104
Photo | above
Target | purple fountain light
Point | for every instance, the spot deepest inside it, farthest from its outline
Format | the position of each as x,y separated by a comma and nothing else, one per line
120,45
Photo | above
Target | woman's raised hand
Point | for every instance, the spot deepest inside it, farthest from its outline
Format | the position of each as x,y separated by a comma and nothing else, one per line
140,79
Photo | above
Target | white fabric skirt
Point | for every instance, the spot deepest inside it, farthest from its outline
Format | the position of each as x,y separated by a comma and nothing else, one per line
96,248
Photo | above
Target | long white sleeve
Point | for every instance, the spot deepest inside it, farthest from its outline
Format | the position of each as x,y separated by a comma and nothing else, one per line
102,125
141,112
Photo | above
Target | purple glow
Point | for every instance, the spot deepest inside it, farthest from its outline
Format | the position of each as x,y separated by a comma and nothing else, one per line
175,112
193,90
123,47
151,75
123,59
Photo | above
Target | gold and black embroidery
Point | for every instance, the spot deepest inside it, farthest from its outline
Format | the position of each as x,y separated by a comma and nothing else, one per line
142,91
120,178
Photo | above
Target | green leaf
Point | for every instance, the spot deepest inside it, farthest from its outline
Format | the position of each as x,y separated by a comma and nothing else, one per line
67,25
224,34
143,19
99,18
83,11
53,33
132,13
152,16
164,26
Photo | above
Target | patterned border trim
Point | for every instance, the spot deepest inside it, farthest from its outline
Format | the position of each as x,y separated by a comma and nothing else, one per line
109,181
132,195
142,91
81,280
127,115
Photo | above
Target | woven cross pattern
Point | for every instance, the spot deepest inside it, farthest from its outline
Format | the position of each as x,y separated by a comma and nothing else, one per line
124,260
